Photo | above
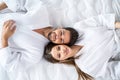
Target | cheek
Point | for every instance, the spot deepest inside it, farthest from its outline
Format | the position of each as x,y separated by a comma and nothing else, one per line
57,41
65,58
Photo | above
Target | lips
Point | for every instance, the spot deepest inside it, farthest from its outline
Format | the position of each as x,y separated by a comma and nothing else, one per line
66,51
53,36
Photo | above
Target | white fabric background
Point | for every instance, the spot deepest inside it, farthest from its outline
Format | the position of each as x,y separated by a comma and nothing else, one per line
62,13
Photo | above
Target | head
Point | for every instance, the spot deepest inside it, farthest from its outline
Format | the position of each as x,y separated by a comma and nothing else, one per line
51,54
63,36
58,53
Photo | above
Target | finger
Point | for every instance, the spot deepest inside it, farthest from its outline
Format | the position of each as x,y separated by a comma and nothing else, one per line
10,25
13,28
7,23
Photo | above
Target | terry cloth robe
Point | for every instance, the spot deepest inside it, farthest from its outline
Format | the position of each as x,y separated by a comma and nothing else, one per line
26,47
100,42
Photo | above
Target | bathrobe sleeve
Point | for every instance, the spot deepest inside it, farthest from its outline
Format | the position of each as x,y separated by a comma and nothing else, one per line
104,20
12,58
36,15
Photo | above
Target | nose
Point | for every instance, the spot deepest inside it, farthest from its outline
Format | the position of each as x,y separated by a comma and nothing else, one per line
58,37
63,51
61,36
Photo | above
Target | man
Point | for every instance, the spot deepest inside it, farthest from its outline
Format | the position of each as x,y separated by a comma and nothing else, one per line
28,45
59,36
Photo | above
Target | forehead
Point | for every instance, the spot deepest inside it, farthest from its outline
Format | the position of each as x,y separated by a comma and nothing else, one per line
54,51
58,29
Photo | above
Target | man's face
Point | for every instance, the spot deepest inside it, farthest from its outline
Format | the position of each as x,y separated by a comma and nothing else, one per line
59,36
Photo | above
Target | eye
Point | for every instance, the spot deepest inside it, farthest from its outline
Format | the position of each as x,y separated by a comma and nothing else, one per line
58,55
58,48
61,33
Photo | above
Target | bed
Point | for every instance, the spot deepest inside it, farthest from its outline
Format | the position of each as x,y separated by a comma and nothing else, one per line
61,13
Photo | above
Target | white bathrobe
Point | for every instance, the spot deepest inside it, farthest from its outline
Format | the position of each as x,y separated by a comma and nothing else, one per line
26,47
65,13
100,42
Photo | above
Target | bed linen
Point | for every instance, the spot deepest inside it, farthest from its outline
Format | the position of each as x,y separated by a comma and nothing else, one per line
62,13
67,12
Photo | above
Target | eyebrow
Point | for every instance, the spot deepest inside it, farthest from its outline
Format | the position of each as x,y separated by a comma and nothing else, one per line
58,55
62,34
62,40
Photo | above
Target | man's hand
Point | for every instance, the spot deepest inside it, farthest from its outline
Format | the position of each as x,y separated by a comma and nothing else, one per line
3,5
7,31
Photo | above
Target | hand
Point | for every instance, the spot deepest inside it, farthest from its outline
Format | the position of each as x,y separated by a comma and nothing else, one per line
3,5
7,31
117,24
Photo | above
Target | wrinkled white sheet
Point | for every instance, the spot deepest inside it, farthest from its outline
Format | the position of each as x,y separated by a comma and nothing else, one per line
67,12
63,13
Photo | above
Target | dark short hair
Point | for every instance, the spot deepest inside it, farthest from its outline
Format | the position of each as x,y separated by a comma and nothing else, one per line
73,35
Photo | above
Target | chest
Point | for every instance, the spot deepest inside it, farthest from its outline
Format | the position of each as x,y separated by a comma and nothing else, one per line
27,39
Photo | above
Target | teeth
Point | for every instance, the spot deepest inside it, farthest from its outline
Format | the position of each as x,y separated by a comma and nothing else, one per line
55,37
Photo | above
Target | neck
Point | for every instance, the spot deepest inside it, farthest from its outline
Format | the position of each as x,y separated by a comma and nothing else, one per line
46,31
76,48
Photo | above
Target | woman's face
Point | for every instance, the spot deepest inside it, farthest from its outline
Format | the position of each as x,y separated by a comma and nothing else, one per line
61,52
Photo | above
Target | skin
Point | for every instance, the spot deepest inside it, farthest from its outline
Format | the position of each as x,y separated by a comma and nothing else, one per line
7,31
59,36
2,6
63,36
62,52
117,25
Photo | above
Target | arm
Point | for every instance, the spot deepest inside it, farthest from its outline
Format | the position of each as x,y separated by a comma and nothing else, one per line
3,6
104,20
10,57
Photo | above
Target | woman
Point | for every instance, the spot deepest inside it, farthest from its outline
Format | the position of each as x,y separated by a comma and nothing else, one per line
67,55
98,43
52,54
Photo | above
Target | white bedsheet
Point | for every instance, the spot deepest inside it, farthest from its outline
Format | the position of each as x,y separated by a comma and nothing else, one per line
63,13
